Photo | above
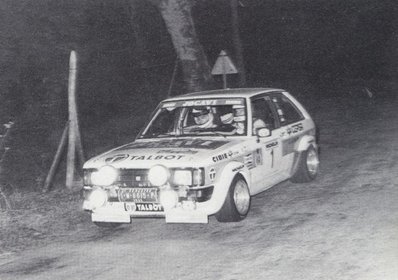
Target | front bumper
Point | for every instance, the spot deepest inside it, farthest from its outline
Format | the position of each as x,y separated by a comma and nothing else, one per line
117,212
186,211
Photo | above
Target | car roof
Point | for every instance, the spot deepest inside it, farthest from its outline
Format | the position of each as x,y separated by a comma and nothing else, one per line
222,93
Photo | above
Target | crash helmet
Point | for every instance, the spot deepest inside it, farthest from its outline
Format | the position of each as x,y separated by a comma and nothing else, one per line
203,117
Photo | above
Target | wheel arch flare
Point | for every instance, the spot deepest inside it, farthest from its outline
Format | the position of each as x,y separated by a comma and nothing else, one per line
224,181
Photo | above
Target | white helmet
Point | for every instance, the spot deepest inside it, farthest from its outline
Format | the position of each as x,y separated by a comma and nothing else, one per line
203,116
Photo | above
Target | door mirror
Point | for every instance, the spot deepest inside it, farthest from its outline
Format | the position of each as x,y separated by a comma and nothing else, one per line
263,132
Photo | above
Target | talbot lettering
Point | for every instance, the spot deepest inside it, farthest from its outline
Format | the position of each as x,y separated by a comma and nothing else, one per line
149,207
157,157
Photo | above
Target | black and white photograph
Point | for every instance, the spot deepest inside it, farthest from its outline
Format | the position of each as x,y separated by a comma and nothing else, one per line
199,139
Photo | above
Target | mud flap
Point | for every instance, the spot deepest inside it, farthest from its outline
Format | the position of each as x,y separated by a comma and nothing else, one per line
95,217
178,215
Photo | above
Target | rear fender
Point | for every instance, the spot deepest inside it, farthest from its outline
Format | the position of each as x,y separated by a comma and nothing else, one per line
305,142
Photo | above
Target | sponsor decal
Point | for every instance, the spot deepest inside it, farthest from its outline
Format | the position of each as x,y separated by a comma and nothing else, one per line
220,157
206,102
223,156
253,159
288,145
294,128
189,144
117,158
248,161
238,168
168,105
199,103
157,157
233,102
190,152
212,174
271,145
130,207
149,207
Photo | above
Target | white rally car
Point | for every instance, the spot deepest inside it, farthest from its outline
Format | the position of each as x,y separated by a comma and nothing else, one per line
201,154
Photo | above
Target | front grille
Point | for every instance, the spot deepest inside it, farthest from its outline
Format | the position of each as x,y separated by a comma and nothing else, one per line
127,178
133,178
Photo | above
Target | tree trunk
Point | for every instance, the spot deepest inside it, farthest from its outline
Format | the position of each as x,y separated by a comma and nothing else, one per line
237,42
178,19
139,50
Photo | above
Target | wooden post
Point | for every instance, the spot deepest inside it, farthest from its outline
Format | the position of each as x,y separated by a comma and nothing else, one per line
224,75
71,134
74,134
56,160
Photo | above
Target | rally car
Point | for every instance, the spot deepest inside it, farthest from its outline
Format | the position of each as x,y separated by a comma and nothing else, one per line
203,154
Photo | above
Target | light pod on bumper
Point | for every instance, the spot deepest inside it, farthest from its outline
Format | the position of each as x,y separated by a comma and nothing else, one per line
97,198
158,175
105,176
168,198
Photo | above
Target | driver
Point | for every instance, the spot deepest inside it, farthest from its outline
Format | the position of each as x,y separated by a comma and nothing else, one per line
203,117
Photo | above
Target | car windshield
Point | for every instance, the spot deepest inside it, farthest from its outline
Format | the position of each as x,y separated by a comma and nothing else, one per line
204,117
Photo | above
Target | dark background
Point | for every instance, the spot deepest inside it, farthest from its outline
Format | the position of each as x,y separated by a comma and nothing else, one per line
315,49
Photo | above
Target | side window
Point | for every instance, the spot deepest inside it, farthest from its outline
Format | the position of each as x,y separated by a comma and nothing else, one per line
262,115
287,111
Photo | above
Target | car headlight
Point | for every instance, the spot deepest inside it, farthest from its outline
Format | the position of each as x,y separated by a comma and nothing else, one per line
105,176
182,177
188,177
158,175
97,198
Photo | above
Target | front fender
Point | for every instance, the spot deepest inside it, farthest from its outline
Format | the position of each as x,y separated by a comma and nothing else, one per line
223,182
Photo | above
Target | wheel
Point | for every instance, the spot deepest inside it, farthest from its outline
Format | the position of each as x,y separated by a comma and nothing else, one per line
237,202
107,225
308,166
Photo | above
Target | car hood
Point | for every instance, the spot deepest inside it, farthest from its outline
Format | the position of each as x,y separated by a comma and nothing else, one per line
169,152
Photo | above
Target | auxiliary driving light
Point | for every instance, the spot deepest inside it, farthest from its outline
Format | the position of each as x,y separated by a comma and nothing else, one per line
168,198
98,198
158,175
105,176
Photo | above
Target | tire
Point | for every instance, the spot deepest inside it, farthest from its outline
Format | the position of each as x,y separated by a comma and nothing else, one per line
237,202
107,225
308,166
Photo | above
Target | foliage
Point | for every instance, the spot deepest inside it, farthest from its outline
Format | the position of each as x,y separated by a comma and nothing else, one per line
295,44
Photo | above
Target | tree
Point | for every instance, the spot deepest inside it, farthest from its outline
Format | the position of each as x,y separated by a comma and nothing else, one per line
179,23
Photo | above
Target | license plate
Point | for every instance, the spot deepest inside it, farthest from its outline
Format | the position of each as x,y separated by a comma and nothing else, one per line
138,195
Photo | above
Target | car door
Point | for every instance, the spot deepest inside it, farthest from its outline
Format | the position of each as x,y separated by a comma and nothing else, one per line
267,173
292,128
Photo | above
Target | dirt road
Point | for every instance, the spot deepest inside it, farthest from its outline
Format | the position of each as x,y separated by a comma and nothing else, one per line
344,225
